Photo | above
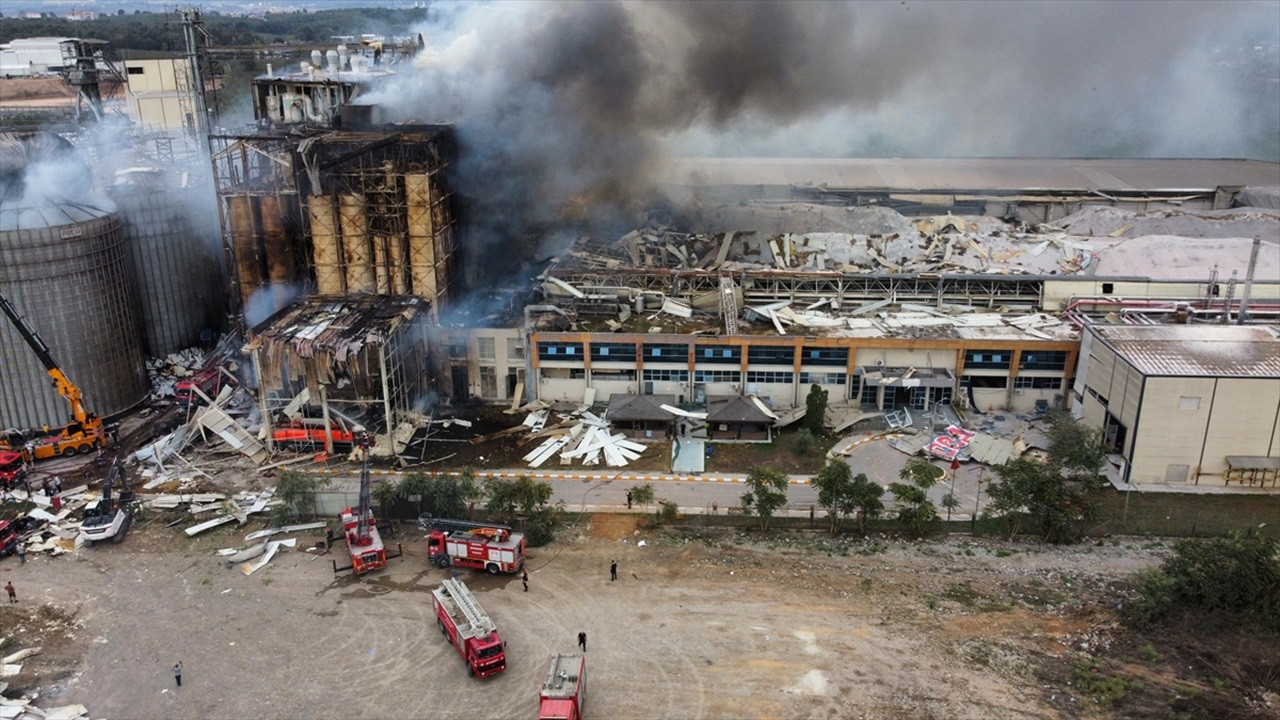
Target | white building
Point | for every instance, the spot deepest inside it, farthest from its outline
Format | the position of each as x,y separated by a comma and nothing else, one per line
31,56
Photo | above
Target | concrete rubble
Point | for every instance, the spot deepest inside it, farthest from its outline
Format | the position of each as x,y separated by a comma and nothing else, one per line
581,436
22,707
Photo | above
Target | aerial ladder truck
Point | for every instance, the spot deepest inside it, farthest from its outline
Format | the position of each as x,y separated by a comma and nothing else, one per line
359,528
85,431
469,629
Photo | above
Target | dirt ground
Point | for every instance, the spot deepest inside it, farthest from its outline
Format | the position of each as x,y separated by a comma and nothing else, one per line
715,625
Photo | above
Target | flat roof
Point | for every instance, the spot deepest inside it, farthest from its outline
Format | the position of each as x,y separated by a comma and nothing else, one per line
1197,350
959,174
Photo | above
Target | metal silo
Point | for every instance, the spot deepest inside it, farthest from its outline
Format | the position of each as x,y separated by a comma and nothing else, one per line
177,264
64,265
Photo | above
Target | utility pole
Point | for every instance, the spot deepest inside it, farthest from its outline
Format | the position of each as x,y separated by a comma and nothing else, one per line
195,39
973,525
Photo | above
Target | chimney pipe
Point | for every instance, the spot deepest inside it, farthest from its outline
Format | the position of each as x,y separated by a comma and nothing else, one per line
1248,281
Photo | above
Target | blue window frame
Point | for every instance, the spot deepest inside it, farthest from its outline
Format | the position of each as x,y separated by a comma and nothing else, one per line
718,354
560,351
829,357
771,354
1043,360
613,352
666,352
988,359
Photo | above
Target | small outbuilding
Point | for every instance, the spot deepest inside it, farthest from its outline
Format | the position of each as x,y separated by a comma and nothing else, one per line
735,417
641,416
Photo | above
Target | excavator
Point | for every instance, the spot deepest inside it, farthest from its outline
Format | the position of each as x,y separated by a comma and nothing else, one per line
110,517
84,433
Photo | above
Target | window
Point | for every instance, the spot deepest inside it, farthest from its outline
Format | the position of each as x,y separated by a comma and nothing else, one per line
613,375
1096,395
1188,403
717,376
1043,360
1037,383
769,376
812,378
987,381
718,354
457,347
831,357
987,359
577,374
771,355
666,352
1108,288
515,349
488,382
666,375
137,70
613,352
560,351
485,347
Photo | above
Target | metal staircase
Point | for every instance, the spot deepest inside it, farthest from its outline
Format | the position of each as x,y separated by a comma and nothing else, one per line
728,306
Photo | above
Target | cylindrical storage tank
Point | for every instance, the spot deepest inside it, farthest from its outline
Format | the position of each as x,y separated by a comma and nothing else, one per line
66,269
176,258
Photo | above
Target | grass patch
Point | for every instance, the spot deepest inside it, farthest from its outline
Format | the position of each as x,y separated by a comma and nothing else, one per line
1104,687
964,595
1176,515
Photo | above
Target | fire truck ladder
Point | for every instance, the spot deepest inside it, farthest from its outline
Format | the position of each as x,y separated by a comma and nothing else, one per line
428,523
477,618
728,305
366,503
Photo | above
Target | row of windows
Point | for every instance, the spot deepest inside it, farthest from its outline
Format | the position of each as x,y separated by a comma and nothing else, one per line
812,378
771,354
1037,383
987,359
613,352
718,354
717,376
768,376
559,351
831,357
666,375
613,375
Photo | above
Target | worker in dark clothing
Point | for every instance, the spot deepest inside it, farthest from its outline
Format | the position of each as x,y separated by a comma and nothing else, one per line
582,641
329,537
524,578
613,570
628,499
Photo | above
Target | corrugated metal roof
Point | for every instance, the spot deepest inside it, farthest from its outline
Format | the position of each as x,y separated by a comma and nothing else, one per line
1197,350
975,173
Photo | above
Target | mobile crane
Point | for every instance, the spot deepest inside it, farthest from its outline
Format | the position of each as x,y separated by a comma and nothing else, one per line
359,528
84,433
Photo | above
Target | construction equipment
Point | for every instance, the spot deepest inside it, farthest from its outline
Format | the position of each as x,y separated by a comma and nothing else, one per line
13,470
82,434
110,517
309,434
364,544
482,546
564,691
469,628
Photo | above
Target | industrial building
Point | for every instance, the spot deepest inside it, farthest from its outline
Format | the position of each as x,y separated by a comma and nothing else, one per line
1196,405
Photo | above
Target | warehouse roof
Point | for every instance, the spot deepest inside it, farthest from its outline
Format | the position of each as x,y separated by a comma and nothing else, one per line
1197,350
958,174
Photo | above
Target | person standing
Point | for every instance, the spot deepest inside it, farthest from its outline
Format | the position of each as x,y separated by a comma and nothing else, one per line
613,570
629,496
524,578
13,594
22,553
582,641
177,673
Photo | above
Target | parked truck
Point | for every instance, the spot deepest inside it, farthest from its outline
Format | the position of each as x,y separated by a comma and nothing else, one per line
469,628
13,470
564,691
482,546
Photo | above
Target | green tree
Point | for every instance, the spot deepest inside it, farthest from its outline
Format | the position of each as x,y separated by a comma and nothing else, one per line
416,488
451,495
668,511
866,498
642,495
803,441
297,491
386,492
1058,495
915,510
532,494
835,491
815,409
500,497
766,493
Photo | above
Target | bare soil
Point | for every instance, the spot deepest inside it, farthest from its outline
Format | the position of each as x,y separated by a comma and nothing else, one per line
712,623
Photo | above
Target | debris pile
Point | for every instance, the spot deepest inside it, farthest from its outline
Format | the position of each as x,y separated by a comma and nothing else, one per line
45,529
22,707
579,435
236,507
164,373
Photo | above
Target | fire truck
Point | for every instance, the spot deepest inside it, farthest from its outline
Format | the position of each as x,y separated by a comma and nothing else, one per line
13,470
564,692
469,628
482,546
364,544
8,538
210,380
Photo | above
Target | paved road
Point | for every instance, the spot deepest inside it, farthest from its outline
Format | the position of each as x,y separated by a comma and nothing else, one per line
606,489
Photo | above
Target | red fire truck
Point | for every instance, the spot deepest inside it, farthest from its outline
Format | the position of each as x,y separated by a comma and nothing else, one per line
8,538
483,546
564,692
364,544
469,628
12,470
209,379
